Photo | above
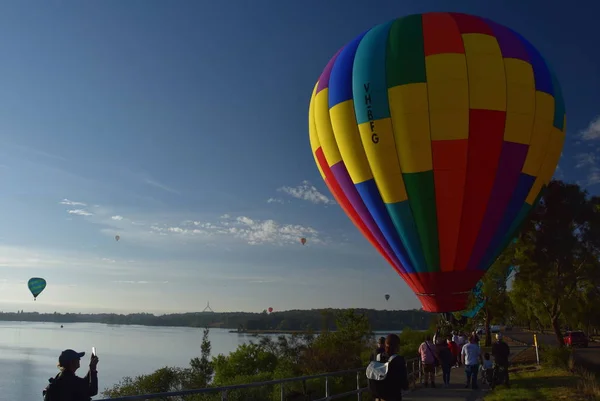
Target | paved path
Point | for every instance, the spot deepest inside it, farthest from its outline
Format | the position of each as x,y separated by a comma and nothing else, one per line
456,391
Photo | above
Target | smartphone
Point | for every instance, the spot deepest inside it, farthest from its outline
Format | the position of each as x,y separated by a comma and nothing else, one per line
93,351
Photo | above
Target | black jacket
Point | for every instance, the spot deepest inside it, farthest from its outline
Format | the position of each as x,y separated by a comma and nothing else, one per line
69,387
396,379
501,352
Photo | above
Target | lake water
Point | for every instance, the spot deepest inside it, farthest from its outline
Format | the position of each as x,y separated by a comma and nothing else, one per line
29,351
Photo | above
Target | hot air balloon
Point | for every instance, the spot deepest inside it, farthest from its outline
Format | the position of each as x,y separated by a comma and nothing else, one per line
303,241
437,133
36,286
387,297
270,310
117,237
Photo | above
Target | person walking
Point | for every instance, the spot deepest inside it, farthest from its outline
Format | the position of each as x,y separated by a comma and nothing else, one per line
500,352
396,379
446,361
380,348
455,350
471,358
428,359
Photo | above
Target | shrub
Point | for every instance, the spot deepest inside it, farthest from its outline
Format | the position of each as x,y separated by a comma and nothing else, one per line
558,357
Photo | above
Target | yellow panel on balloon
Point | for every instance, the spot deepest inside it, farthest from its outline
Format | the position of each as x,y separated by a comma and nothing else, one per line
485,68
555,143
312,131
448,93
347,136
410,118
378,141
542,126
323,121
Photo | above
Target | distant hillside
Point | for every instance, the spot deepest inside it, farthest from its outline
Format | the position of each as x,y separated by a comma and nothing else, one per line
314,319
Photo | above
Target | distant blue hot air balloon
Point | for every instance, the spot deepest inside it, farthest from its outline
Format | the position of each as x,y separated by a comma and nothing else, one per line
36,286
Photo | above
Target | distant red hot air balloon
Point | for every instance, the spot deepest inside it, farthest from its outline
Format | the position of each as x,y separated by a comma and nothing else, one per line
270,310
303,241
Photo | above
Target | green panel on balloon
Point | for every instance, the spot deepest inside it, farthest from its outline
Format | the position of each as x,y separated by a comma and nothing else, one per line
402,217
405,57
420,188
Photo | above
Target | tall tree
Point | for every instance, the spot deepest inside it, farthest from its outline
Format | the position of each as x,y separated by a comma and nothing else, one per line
558,252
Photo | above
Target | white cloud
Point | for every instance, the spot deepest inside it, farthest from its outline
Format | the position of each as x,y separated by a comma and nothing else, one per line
593,177
71,203
585,160
592,131
274,200
225,216
139,282
80,212
307,192
117,218
159,185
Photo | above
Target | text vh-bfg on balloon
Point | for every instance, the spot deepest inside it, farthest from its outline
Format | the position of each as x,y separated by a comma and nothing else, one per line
437,134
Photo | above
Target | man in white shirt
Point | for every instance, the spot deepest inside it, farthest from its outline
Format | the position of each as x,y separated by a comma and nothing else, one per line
471,358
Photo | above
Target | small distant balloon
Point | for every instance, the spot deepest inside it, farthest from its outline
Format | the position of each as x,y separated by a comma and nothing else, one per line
387,297
36,286
117,237
270,310
303,240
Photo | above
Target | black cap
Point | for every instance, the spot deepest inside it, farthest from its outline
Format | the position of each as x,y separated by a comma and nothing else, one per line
69,355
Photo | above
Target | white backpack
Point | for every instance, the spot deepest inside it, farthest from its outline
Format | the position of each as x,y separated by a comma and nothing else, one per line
378,370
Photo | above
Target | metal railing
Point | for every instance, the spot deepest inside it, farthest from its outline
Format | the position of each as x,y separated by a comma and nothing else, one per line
413,368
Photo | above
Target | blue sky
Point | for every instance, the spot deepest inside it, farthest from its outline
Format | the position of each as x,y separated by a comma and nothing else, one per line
182,127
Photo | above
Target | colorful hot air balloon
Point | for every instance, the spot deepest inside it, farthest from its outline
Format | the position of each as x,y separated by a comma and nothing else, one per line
36,286
303,241
437,134
387,297
270,310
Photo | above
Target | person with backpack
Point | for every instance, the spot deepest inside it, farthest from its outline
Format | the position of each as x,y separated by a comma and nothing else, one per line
67,386
446,361
429,360
387,375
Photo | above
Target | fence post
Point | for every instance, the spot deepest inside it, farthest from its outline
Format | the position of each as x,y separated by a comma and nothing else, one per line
537,354
326,386
358,394
304,389
282,392
224,395
420,371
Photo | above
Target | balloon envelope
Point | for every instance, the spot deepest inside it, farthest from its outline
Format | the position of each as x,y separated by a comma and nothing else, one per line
270,310
303,240
437,133
117,237
36,286
387,297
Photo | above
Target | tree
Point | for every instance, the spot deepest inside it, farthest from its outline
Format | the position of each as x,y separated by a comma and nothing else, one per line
201,369
494,294
557,253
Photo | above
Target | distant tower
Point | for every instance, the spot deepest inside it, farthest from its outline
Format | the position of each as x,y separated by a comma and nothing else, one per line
208,308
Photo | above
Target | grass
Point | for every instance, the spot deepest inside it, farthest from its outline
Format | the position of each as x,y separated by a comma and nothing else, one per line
545,384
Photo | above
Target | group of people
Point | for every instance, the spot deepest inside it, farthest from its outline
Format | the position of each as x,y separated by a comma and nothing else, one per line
435,352
456,351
